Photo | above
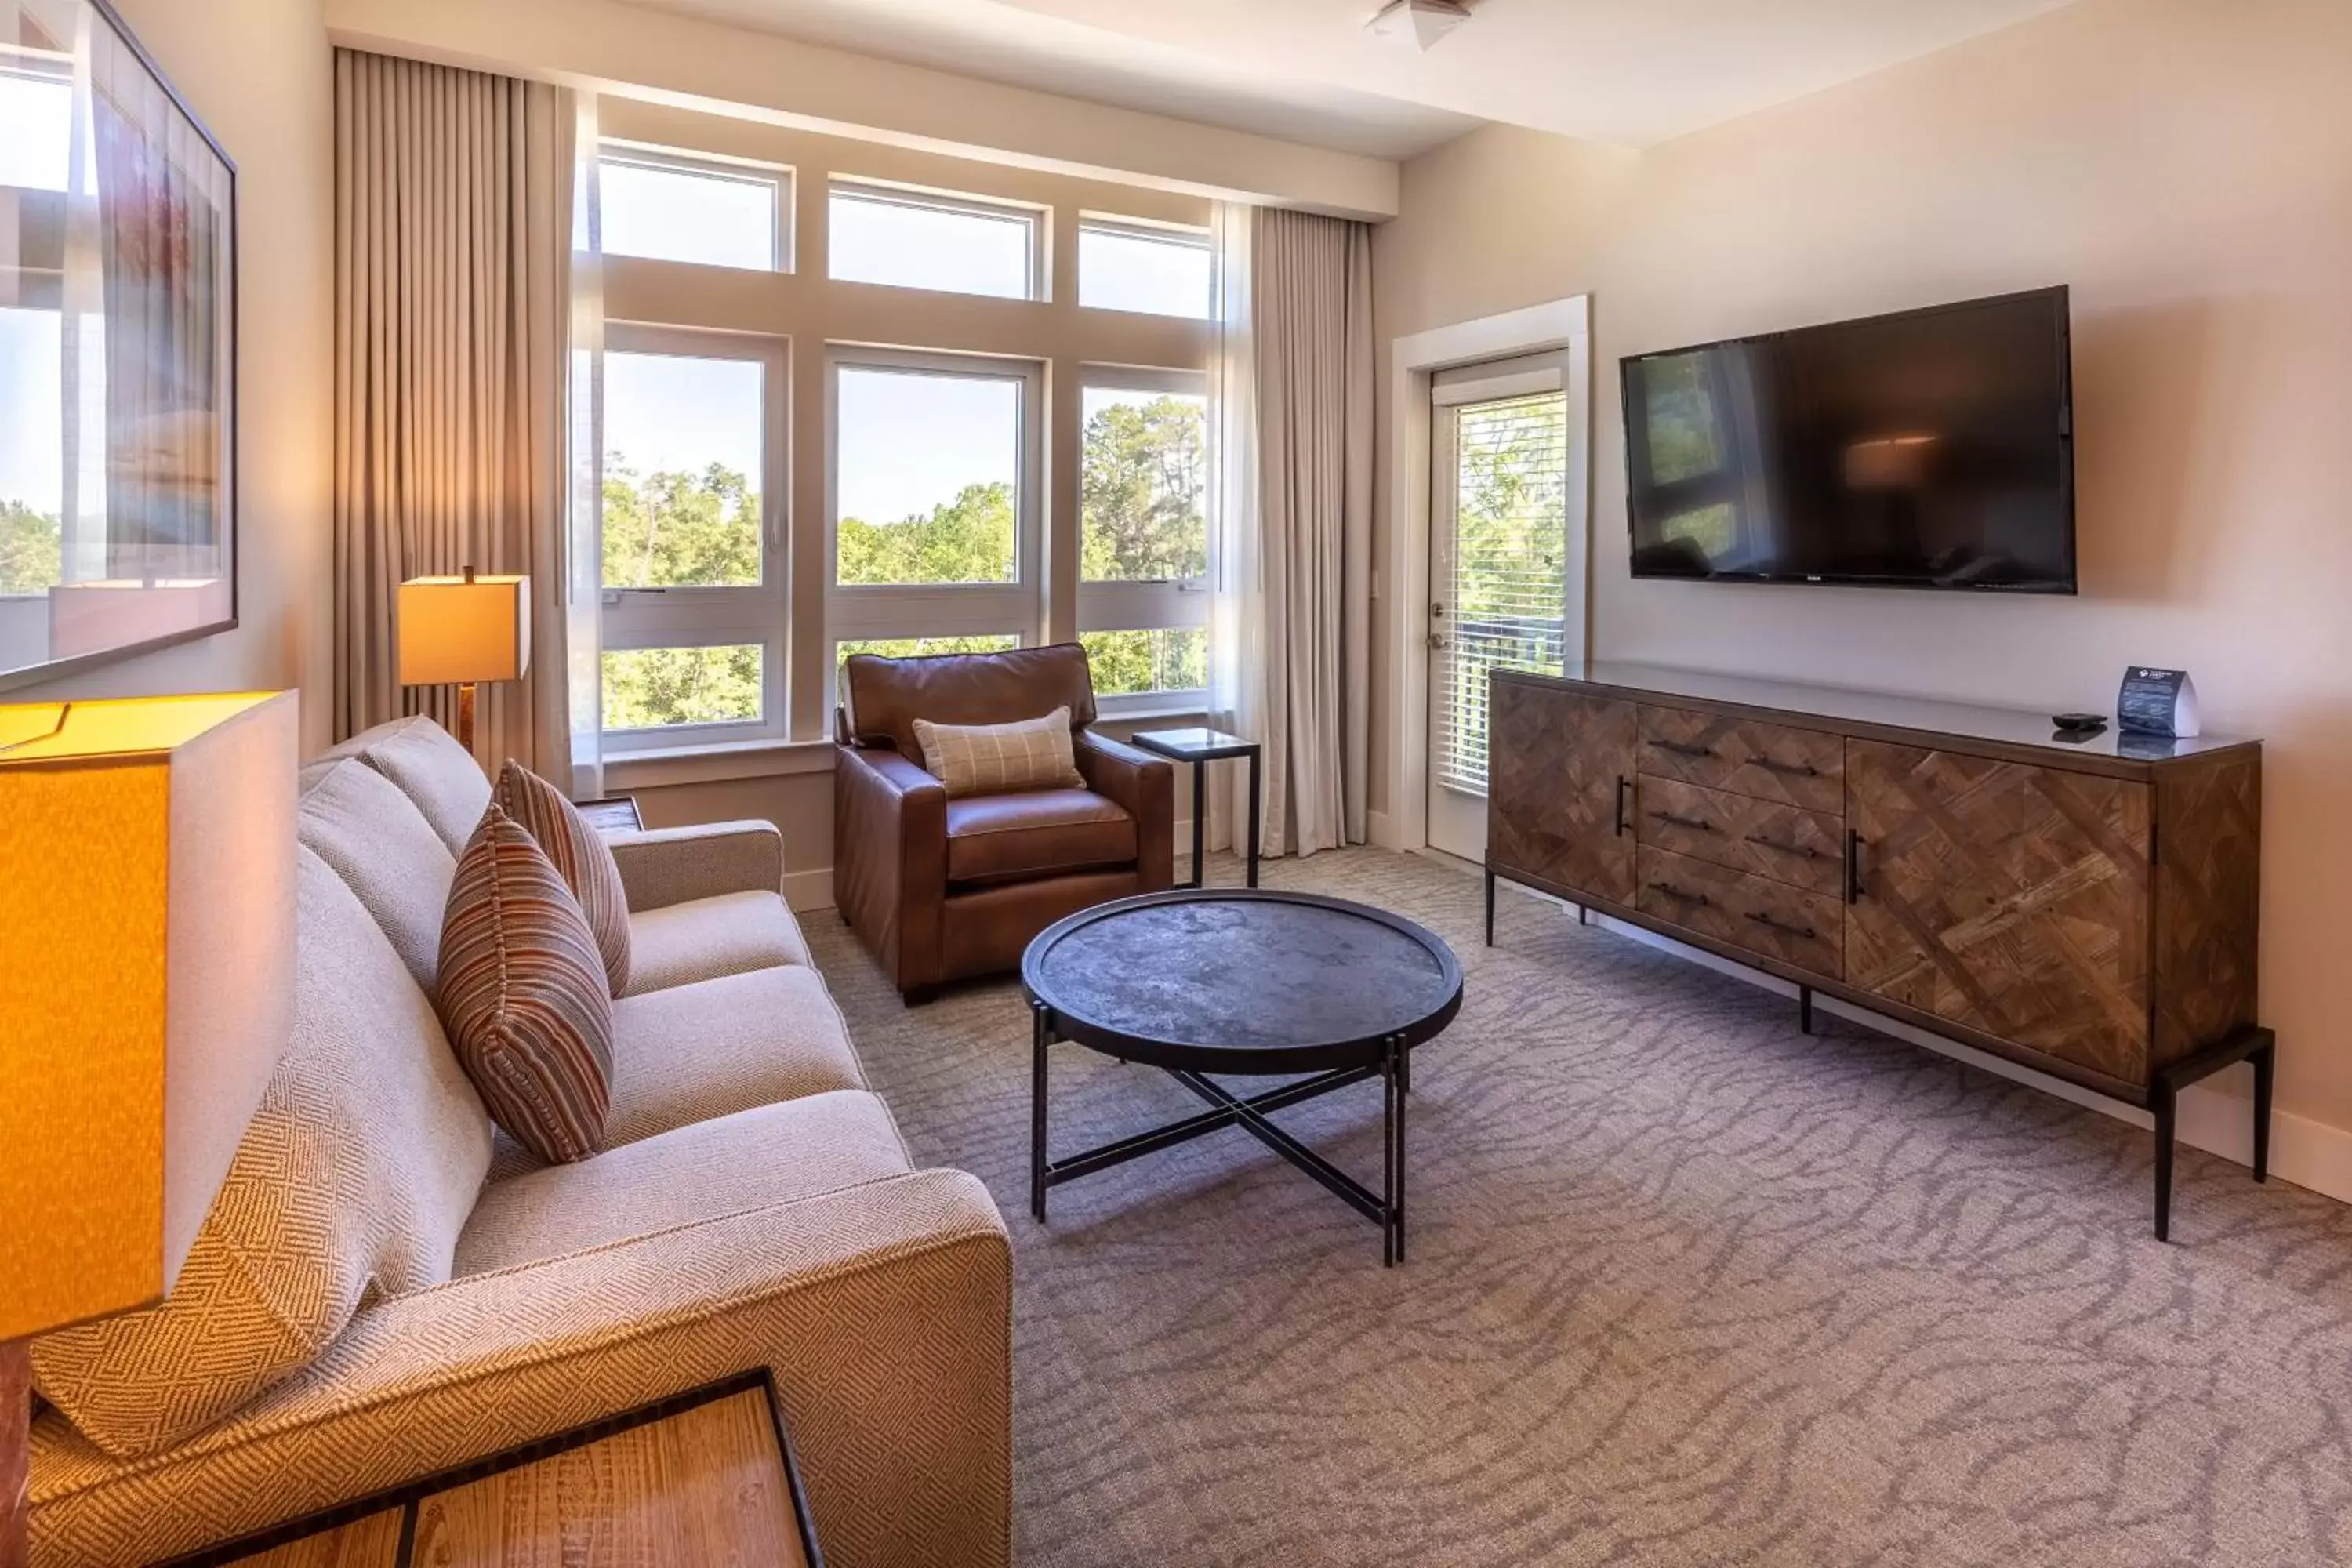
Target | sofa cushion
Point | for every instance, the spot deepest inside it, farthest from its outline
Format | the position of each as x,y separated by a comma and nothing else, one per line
767,1154
580,857
425,761
355,1177
360,823
691,1052
991,759
1040,833
523,993
705,938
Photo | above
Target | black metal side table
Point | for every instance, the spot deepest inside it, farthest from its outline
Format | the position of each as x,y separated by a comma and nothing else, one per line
1200,747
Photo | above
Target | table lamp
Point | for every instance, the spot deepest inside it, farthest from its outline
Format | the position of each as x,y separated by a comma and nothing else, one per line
146,977
460,631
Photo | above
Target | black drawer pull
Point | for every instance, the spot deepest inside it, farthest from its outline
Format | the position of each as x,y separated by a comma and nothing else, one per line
1677,894
1623,784
1807,932
1696,825
1801,770
1683,749
1853,866
1806,850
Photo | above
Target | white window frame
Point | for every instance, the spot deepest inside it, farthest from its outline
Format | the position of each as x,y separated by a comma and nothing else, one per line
777,177
888,193
1127,605
716,617
860,611
1190,234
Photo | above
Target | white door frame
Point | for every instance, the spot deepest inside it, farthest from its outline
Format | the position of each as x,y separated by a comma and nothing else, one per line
1565,325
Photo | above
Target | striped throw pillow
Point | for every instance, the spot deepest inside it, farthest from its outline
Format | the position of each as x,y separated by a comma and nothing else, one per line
993,759
581,858
522,993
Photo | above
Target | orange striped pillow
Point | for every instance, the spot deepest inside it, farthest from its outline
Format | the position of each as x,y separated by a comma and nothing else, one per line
522,993
580,857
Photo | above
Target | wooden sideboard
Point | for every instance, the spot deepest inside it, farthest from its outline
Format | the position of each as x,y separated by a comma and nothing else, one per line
2086,907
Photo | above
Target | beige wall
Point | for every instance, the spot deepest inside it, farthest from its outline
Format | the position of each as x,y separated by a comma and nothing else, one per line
2187,167
258,72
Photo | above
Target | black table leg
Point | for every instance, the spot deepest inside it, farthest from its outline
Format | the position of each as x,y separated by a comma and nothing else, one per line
1199,822
1392,1158
1253,817
1041,1039
1490,906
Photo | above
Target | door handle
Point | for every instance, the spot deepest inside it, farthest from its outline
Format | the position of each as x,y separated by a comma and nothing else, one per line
1783,927
1623,784
1436,641
1853,865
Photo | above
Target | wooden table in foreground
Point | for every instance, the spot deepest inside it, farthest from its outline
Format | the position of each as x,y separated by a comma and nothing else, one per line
708,1477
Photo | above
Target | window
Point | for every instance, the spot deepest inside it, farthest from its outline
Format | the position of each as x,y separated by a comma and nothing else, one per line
693,492
672,208
1128,265
935,500
37,125
1143,605
914,239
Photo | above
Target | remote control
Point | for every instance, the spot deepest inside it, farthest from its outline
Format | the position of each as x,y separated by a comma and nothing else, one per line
2080,723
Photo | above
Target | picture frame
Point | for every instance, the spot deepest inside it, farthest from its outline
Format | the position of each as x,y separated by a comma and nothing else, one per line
118,317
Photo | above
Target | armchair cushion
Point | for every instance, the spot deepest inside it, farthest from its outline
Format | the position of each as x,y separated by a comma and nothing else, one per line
882,698
1037,833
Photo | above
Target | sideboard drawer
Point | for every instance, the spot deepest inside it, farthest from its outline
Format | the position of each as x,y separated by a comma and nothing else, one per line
1769,761
1806,931
1785,843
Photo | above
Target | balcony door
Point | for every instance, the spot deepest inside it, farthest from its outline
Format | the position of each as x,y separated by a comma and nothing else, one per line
1500,568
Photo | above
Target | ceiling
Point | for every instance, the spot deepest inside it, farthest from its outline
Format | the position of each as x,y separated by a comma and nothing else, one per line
1628,71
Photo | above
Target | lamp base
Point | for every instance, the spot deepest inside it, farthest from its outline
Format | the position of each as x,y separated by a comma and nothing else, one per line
16,1419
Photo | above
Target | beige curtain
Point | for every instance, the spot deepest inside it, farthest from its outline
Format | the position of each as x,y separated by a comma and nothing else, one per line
453,285
1290,639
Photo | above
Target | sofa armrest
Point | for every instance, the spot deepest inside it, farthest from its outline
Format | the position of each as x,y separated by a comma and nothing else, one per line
884,1310
1145,785
890,859
675,865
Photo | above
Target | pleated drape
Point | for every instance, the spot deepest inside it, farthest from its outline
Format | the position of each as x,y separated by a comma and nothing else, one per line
1291,638
452,257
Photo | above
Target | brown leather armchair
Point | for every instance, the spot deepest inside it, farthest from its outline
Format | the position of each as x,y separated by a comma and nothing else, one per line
943,890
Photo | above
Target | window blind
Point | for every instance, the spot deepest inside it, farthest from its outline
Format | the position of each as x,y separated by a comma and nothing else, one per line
1500,573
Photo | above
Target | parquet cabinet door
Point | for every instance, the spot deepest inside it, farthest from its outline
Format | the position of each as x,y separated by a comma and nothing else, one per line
1552,803
2010,899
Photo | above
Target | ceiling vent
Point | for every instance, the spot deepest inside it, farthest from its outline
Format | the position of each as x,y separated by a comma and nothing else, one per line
1420,23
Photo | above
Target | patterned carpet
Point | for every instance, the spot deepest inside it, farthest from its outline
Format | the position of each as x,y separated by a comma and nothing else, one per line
1686,1287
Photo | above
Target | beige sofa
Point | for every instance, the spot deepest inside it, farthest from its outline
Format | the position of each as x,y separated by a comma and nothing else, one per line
755,1207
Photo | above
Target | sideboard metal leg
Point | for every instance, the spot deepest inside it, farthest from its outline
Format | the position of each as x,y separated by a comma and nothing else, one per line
2163,1107
2266,1060
1805,1008
1583,916
1490,908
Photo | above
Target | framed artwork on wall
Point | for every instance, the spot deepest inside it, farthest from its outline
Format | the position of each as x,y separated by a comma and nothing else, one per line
118,350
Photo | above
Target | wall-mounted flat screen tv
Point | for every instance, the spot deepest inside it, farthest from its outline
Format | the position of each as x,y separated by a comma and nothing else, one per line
1927,449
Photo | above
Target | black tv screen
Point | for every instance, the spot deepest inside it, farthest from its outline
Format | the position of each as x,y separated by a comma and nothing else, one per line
1929,449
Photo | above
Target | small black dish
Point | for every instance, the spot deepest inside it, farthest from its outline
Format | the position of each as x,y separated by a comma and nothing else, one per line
2079,723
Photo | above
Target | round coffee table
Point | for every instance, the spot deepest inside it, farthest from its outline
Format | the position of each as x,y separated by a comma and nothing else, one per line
1241,983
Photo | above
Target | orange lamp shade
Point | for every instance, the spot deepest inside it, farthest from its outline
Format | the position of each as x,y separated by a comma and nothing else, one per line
457,630
146,975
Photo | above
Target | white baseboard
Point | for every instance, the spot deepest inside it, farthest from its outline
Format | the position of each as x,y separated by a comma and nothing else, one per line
2213,1116
809,889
